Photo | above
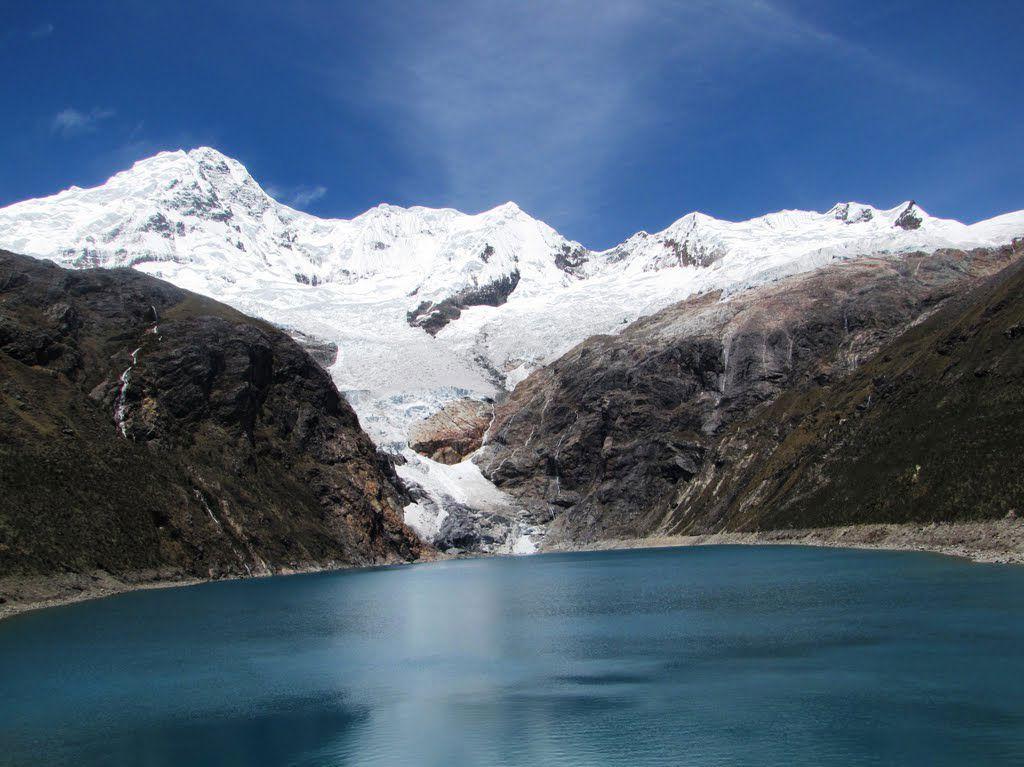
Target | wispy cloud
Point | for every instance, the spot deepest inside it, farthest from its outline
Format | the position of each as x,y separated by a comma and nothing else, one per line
800,32
71,122
41,31
516,101
550,104
534,101
18,35
296,196
304,196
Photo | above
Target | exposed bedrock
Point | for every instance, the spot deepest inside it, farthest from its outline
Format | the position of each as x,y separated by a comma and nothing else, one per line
827,398
469,529
454,432
433,316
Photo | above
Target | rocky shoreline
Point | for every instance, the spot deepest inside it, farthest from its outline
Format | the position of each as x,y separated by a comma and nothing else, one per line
987,541
24,593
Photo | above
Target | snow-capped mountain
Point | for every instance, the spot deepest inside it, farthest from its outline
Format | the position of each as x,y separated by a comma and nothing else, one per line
425,304
848,229
201,217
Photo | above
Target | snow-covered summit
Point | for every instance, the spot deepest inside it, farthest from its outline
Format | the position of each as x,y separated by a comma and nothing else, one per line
501,291
200,218
847,229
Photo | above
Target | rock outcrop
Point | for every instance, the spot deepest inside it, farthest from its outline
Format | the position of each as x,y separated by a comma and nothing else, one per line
454,432
146,428
833,397
433,316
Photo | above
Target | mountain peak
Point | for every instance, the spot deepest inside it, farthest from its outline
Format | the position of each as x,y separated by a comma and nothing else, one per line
209,153
203,161
852,212
190,208
910,216
907,215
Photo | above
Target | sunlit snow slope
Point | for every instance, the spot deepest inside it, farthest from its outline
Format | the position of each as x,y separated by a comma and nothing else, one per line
427,305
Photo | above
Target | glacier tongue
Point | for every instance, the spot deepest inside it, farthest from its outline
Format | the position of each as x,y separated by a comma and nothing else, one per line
504,293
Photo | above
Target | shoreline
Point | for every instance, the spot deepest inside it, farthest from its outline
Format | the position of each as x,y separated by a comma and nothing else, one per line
985,541
28,593
988,541
70,588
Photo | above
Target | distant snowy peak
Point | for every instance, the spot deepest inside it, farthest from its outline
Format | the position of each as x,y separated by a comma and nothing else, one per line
201,220
201,217
846,230
499,293
907,215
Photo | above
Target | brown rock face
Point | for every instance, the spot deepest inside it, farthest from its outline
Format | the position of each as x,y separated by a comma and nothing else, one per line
454,432
671,425
144,427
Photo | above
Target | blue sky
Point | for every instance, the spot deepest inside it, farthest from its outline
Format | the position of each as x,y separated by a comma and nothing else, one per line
600,118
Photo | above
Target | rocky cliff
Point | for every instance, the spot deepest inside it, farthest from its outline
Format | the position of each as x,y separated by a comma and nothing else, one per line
882,389
148,429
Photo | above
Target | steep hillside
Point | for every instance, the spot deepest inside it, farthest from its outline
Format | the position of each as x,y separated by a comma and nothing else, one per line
146,429
929,429
794,404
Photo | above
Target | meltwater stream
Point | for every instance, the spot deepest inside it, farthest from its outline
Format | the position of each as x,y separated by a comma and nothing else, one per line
709,656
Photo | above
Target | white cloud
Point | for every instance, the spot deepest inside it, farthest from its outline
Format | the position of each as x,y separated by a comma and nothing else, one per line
43,30
71,122
535,101
305,195
549,103
296,196
520,101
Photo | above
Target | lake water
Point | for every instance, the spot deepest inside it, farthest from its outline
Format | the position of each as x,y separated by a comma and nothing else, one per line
705,656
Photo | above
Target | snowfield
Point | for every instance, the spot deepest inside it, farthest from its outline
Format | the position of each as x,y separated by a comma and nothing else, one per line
199,220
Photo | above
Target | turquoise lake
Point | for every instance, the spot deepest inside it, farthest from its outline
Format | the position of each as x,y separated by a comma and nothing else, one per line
702,656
